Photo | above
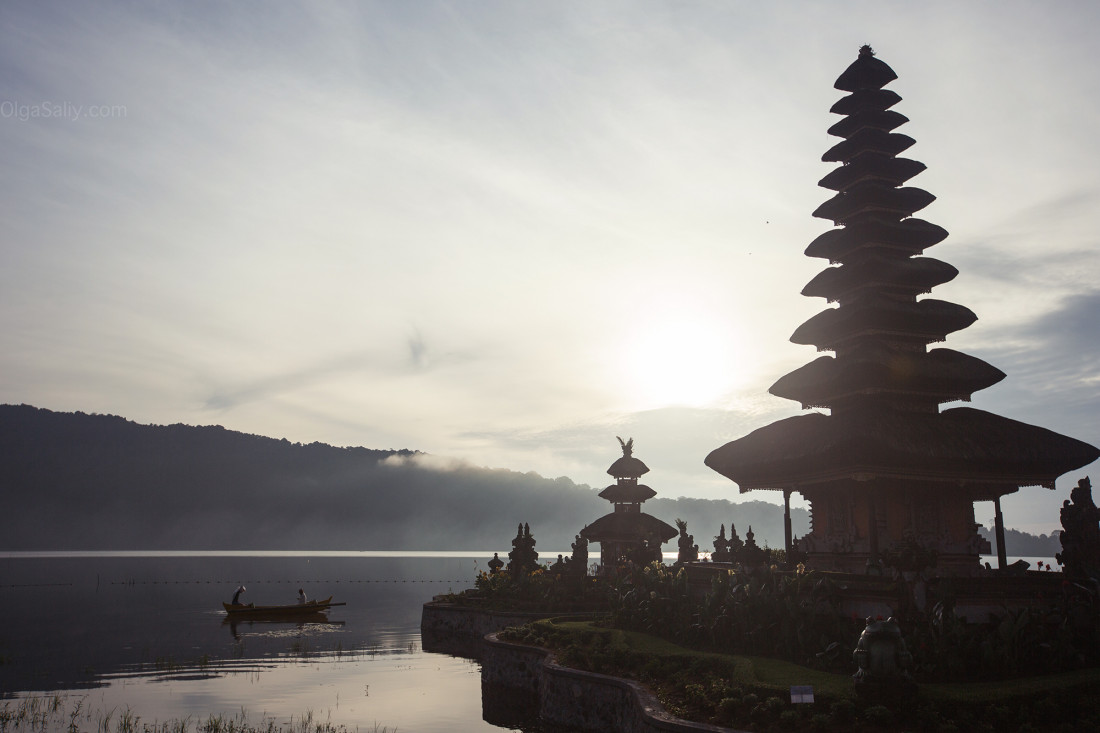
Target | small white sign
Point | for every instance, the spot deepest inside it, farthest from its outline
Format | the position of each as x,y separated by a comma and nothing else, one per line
802,693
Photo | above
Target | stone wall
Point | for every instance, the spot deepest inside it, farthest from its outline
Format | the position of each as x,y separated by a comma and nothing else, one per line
439,618
573,699
448,628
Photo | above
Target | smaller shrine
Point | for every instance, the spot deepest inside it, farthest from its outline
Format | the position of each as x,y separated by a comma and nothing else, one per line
522,558
627,533
737,552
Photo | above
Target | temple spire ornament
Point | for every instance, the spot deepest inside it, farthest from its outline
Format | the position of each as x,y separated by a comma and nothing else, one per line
886,465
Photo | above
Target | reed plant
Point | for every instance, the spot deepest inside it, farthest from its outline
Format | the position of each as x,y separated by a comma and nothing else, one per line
59,713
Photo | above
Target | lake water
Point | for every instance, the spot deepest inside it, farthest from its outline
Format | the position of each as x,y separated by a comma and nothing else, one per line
146,636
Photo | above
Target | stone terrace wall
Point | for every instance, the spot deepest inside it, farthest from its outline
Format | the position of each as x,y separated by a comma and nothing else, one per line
441,619
574,699
448,628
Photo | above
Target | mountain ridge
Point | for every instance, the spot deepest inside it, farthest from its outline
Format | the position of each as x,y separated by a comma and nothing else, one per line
79,481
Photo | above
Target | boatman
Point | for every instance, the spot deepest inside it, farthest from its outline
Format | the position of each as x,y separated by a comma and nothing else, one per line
301,596
237,596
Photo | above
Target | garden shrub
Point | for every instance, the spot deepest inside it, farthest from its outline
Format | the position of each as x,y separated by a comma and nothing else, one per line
878,715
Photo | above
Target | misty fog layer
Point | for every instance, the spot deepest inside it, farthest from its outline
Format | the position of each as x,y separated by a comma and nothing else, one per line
73,481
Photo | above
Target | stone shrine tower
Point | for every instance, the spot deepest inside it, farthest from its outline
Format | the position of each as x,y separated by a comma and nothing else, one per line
886,469
627,533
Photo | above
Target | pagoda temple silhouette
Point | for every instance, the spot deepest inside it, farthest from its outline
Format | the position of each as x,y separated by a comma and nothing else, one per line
627,533
886,468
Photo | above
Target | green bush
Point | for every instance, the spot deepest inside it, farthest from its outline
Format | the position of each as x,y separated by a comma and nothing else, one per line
878,715
789,719
796,616
842,712
727,709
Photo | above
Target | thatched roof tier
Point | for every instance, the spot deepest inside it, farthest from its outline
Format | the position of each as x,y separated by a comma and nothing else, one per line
874,197
926,320
885,120
872,166
956,446
866,72
909,235
628,467
628,527
907,275
865,99
627,492
868,139
936,376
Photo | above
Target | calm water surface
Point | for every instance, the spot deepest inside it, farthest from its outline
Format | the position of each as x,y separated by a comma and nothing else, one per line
148,634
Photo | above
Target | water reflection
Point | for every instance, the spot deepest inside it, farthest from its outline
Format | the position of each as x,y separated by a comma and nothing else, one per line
274,627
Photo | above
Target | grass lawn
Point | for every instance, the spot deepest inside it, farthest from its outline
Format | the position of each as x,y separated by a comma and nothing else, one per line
753,693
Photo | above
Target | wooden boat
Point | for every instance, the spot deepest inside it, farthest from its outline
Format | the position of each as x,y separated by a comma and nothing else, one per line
292,609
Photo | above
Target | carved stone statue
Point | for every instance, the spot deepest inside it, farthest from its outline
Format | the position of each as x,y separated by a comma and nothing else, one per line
721,546
688,551
750,554
579,562
881,654
735,543
1080,536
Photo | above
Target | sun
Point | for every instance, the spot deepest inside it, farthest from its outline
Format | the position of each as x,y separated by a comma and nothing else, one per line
680,357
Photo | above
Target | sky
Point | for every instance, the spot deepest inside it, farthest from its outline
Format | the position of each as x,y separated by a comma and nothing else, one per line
505,233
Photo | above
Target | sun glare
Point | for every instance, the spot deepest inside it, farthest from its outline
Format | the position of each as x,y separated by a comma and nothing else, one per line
681,358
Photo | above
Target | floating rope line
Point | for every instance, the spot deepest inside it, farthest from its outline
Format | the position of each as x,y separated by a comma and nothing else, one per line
248,582
36,585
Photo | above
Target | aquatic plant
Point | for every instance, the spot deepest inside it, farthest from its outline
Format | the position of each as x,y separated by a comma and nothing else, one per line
58,712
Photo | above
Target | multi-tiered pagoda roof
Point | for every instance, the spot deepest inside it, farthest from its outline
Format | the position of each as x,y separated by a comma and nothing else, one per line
627,525
884,385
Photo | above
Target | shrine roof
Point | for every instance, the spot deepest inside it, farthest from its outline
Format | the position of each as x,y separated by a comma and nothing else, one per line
627,527
874,196
628,467
909,274
912,235
866,72
628,492
928,320
941,375
868,140
956,446
865,99
872,166
886,120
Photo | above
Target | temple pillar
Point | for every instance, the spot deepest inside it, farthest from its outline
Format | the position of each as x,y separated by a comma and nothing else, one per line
999,530
872,524
787,539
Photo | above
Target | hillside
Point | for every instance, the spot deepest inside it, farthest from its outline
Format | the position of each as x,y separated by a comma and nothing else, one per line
73,481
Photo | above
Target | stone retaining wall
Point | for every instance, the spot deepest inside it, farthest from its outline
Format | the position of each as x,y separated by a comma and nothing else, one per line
447,628
574,699
440,619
